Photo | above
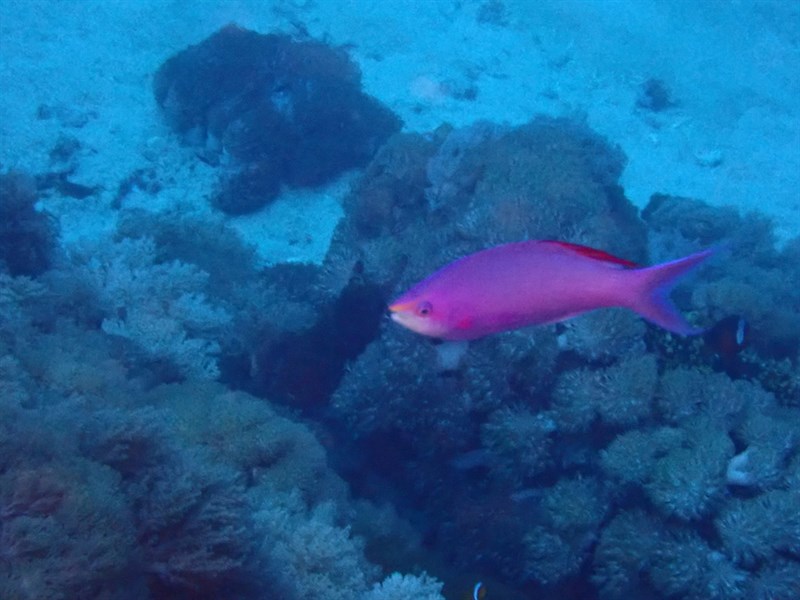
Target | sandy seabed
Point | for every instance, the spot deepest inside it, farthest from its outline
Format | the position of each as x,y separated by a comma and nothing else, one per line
732,70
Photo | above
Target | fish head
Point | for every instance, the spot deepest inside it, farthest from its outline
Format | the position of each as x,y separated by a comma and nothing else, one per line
420,315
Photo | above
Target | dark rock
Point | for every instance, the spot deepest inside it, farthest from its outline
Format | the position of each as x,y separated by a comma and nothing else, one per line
63,154
142,179
281,111
249,188
27,236
655,96
61,183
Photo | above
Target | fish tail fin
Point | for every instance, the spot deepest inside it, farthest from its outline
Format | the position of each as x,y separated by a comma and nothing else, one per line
655,284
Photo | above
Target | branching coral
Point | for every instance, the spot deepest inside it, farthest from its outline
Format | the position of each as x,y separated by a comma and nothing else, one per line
308,556
66,533
128,441
743,292
458,164
194,527
14,393
69,361
574,504
390,196
161,307
683,471
741,407
548,178
16,296
190,514
753,282
403,587
110,491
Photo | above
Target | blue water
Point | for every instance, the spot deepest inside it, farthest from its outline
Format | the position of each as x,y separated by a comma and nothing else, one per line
204,212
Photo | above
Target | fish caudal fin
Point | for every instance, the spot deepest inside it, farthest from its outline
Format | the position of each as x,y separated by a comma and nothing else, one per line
654,286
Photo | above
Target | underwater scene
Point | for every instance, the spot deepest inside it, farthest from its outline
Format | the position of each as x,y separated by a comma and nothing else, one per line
399,300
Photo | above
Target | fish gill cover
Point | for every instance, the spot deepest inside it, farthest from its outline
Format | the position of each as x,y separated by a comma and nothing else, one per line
177,421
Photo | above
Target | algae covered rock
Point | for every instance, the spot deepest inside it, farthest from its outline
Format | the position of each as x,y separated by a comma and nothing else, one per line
270,110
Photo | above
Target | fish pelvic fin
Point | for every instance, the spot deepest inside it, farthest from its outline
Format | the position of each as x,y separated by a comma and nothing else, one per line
655,284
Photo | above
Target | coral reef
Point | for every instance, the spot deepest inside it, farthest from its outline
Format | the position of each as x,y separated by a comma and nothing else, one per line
426,200
682,471
526,413
177,421
109,489
771,436
780,579
751,271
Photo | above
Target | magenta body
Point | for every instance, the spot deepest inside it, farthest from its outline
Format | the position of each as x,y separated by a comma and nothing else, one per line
537,282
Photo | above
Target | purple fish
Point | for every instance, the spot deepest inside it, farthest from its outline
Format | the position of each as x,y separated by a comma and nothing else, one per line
538,282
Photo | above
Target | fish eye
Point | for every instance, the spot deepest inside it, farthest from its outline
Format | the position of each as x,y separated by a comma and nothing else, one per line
424,309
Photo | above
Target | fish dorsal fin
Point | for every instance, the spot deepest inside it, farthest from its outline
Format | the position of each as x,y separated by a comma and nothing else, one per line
592,253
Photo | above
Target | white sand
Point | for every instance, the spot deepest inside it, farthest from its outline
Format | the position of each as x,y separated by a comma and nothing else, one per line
733,69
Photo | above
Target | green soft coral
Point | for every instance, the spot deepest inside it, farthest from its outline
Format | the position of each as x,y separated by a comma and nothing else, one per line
689,479
758,528
682,470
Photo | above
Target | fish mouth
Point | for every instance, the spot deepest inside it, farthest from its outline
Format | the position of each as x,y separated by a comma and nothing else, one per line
397,317
399,307
398,313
